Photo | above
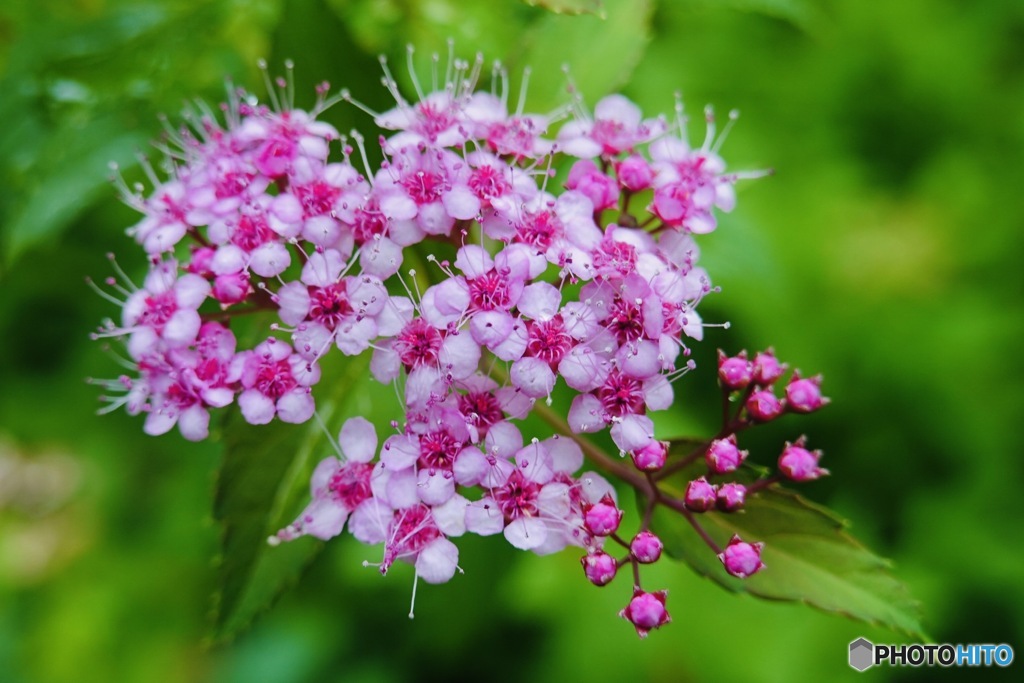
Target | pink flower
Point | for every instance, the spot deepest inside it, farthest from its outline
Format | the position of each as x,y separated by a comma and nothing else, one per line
276,381
338,486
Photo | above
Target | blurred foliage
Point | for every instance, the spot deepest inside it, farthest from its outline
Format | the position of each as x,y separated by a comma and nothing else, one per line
884,253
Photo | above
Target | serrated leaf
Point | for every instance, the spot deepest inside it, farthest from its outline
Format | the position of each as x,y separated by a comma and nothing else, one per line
809,557
570,6
613,46
262,484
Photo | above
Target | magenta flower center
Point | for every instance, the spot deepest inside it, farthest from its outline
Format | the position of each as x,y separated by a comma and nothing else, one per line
329,305
274,378
548,340
613,257
438,450
417,344
626,321
350,485
425,187
252,232
489,292
159,309
369,222
481,408
518,497
487,183
621,395
540,229
317,198
410,530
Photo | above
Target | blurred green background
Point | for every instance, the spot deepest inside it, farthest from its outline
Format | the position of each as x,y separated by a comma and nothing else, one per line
885,253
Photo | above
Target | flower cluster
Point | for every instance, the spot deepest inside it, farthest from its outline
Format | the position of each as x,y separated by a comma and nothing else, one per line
589,286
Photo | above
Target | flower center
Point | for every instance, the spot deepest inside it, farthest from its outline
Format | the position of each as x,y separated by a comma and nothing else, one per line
417,344
481,408
159,309
626,321
438,450
252,232
548,340
518,497
350,485
317,198
487,183
425,187
540,229
621,395
329,305
274,378
489,291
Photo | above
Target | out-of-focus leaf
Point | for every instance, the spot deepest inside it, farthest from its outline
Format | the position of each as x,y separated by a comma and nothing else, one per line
84,86
387,26
799,12
613,46
75,174
809,557
570,6
262,484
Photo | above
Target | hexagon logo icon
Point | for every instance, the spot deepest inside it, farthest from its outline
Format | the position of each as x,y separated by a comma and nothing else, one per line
862,654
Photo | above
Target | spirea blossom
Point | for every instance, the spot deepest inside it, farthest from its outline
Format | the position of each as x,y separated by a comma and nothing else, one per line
588,290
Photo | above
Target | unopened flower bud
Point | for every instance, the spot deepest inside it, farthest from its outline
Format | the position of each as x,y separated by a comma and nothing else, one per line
587,179
231,288
804,395
700,495
734,372
600,567
767,368
763,406
646,547
634,173
742,559
723,456
731,497
603,517
201,261
800,464
646,611
651,457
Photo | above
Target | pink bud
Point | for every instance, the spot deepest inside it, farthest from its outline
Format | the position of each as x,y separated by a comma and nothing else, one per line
735,372
603,517
731,497
600,567
651,457
742,559
634,173
588,180
723,456
804,395
202,259
646,611
646,547
767,368
232,288
700,495
763,406
800,464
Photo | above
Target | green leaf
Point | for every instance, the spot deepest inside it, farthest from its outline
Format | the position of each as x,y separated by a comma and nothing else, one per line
570,6
613,45
809,557
262,484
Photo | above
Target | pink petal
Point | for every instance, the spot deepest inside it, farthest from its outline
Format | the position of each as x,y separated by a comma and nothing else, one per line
358,439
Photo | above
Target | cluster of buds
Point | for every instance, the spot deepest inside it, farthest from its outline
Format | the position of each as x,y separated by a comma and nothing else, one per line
593,285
